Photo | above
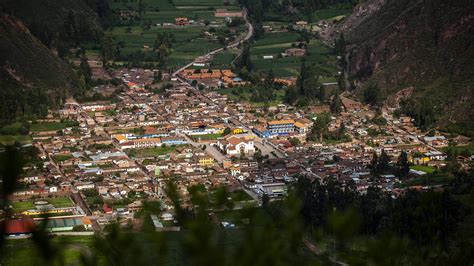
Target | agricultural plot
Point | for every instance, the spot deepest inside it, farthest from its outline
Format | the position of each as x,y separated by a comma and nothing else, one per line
223,60
10,139
330,13
243,94
211,3
51,126
137,41
273,44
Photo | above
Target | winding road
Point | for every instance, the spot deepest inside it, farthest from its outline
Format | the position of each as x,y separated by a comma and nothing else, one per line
231,45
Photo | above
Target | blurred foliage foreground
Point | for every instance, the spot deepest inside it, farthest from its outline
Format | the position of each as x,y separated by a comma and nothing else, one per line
318,223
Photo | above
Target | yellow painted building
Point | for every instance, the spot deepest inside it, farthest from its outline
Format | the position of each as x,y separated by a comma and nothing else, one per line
237,131
206,161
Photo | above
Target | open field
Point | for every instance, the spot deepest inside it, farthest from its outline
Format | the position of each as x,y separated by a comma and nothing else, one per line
244,94
329,13
10,139
424,168
223,60
25,252
206,137
19,206
240,195
276,43
151,152
51,126
133,37
62,157
461,149
61,202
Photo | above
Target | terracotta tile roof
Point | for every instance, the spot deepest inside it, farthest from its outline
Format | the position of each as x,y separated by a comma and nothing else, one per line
19,226
281,122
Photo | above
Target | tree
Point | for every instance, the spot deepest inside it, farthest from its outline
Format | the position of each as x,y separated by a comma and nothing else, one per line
383,163
336,106
109,48
85,70
374,164
372,95
340,45
295,141
227,131
320,127
402,164
163,53
244,59
79,228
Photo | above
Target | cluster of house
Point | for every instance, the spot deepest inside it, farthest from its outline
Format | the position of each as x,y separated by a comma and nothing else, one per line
224,13
282,127
290,52
126,151
224,77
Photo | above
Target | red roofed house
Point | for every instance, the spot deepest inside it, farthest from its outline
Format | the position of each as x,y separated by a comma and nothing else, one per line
17,227
106,208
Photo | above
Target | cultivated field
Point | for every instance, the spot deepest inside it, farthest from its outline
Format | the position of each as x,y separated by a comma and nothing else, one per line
276,43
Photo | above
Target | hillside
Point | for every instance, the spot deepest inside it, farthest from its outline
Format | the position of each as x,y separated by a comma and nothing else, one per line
59,24
34,36
427,45
32,75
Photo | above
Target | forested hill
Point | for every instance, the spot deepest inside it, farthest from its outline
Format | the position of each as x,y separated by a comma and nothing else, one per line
59,24
427,45
33,77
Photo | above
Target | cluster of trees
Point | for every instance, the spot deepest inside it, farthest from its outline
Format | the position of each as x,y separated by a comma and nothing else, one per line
109,48
320,132
18,101
59,25
421,110
381,165
290,10
308,88
373,95
243,62
378,212
163,44
256,13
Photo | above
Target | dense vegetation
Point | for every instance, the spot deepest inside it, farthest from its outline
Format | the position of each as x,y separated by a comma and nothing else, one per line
430,55
34,78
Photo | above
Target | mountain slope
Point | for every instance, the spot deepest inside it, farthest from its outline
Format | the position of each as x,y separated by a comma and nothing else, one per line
32,76
427,45
59,24
32,36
